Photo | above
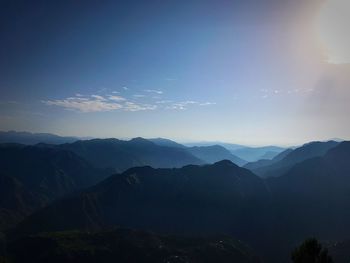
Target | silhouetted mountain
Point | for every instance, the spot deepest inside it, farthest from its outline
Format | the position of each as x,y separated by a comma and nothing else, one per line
122,155
312,198
291,158
32,176
125,246
218,198
252,154
309,198
33,138
215,153
16,201
166,142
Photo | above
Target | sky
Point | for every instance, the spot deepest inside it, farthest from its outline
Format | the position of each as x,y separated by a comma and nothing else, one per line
255,72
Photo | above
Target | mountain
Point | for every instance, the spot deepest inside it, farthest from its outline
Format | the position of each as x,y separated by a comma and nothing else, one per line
210,199
49,170
290,158
312,198
228,146
166,142
252,154
272,215
33,176
33,138
215,153
122,155
16,201
266,162
208,153
126,245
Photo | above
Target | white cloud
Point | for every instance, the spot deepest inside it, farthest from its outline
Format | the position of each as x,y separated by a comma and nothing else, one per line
176,106
97,103
154,91
163,101
207,103
189,102
98,97
115,92
116,98
84,105
132,106
181,105
125,88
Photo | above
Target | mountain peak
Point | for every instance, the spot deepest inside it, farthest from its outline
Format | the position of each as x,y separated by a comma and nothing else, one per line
140,140
224,163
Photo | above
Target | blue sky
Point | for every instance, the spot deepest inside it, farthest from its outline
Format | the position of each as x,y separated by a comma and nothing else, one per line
252,72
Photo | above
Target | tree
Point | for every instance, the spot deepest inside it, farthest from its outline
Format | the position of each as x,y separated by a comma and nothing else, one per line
311,251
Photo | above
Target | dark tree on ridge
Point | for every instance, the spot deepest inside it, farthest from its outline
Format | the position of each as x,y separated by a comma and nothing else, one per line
311,251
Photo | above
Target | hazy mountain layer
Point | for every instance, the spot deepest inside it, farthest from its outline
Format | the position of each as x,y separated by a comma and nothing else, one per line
122,155
288,159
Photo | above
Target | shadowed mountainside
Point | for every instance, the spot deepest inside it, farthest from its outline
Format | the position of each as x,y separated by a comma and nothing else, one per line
218,198
33,176
312,199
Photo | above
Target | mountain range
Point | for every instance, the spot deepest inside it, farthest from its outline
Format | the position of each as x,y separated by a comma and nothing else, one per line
241,154
249,154
288,158
190,200
88,186
34,138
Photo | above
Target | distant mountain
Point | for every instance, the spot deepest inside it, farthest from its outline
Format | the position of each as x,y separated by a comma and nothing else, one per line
210,199
228,146
252,154
248,154
122,155
209,153
125,246
33,176
289,158
266,162
166,142
215,153
33,138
